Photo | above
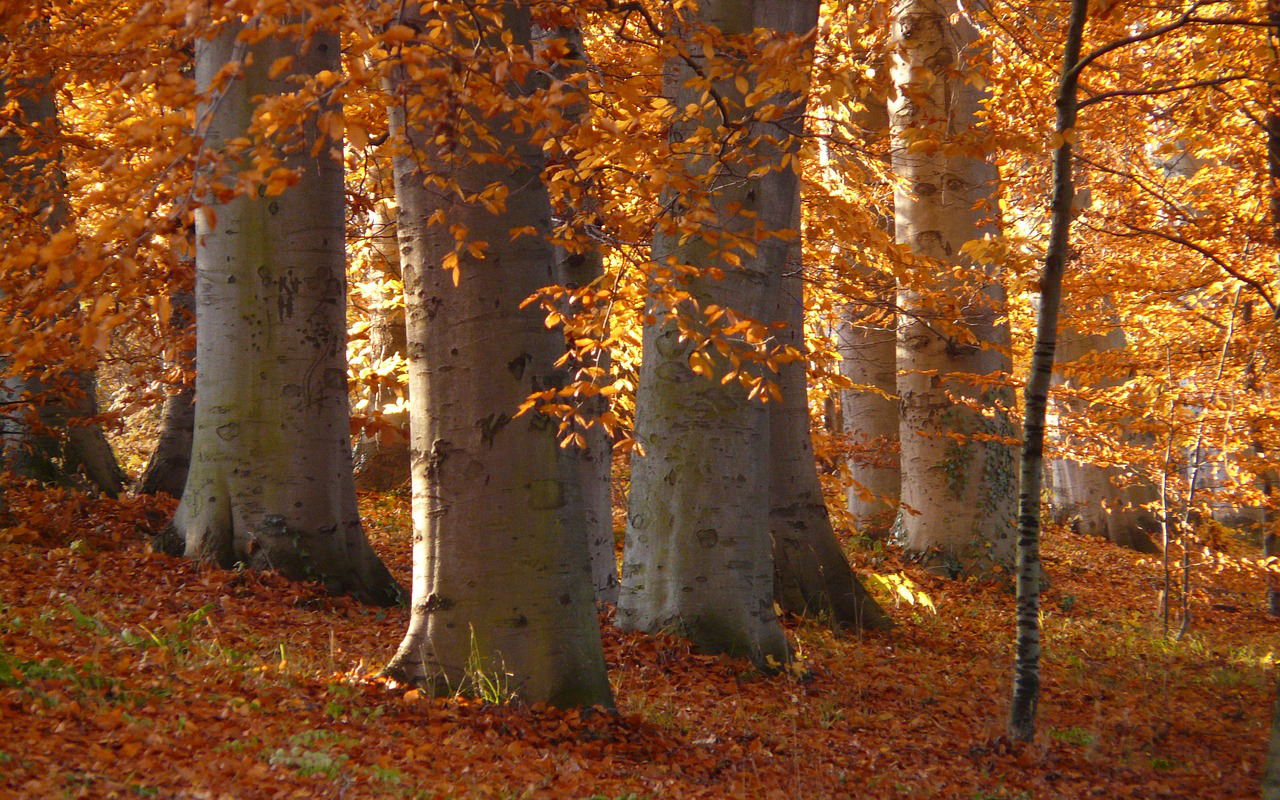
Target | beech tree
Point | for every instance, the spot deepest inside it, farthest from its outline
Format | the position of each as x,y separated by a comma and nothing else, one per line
1091,495
167,468
958,484
270,483
502,581
1271,769
47,426
811,573
579,267
696,560
866,338
869,415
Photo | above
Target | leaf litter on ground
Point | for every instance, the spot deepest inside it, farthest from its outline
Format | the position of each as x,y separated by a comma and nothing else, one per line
125,673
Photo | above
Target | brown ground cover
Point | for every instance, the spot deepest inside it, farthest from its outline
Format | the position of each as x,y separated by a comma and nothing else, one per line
124,673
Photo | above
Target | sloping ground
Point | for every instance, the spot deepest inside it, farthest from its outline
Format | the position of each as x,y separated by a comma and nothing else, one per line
128,674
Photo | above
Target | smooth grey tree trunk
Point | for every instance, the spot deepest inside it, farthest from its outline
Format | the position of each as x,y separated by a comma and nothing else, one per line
46,411
270,484
167,468
698,559
578,268
502,598
869,411
867,343
1088,495
958,481
812,575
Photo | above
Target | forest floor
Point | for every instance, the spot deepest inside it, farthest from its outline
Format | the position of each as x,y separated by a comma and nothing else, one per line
124,673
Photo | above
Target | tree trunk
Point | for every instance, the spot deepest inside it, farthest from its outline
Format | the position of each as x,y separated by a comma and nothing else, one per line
812,576
958,482
1091,497
868,349
270,483
1026,683
1271,769
1270,541
867,342
46,432
698,561
579,267
166,470
502,602
382,453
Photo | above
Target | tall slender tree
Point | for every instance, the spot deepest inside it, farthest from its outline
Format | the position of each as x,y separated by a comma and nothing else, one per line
270,483
501,579
1270,540
1026,683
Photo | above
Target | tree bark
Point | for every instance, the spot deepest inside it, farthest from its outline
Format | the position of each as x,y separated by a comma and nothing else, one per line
868,349
812,576
166,470
958,482
1271,769
1090,496
1026,684
502,600
1270,540
697,561
46,431
270,484
579,267
867,342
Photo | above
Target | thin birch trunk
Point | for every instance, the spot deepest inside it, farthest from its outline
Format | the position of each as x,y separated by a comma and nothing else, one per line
1026,684
1270,540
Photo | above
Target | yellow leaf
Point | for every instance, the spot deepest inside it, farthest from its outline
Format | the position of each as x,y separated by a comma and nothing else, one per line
278,66
398,33
357,134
